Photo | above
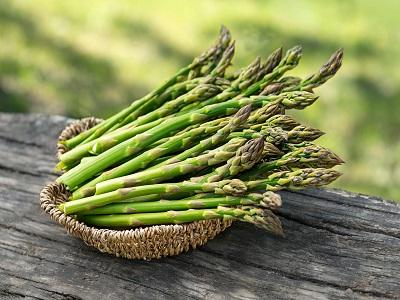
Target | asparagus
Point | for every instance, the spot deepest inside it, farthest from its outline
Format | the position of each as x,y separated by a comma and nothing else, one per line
199,61
101,144
283,121
172,93
309,156
205,129
236,121
216,69
211,56
83,172
247,76
270,150
303,133
327,71
280,180
262,218
275,87
224,187
246,157
277,136
175,143
270,63
273,135
295,179
202,91
163,173
268,200
255,77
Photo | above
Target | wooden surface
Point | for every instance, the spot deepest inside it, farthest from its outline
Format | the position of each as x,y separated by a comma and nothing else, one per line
337,245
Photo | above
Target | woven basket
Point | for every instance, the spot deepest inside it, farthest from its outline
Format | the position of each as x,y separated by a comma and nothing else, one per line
140,243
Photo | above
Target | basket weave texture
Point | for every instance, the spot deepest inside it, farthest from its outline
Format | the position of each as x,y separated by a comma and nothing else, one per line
141,243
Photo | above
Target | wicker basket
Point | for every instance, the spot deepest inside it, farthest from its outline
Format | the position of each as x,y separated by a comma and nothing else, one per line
141,243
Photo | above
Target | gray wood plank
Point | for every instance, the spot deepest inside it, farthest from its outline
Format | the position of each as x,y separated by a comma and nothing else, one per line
338,245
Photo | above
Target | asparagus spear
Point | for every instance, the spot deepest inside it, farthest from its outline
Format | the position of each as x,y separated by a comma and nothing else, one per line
173,144
202,91
286,179
246,157
268,200
216,68
225,187
83,172
220,136
262,218
104,142
270,150
327,71
278,136
247,77
211,56
163,173
303,133
255,77
173,92
199,61
283,121
273,135
309,156
295,179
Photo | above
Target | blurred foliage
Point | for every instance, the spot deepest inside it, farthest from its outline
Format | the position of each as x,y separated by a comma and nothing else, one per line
82,58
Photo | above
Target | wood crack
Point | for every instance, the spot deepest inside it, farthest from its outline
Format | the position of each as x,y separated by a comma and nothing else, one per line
330,227
24,143
299,277
24,172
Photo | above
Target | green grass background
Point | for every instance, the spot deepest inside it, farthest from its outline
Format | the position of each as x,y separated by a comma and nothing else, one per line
80,58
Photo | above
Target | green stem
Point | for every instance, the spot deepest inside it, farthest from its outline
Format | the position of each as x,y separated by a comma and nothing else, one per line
229,187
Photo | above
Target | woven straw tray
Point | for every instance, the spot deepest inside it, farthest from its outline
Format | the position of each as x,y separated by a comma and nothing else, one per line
141,243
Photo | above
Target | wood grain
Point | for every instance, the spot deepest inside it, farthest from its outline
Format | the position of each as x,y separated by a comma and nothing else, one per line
337,246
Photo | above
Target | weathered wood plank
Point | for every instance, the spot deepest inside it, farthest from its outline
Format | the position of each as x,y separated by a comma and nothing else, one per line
337,245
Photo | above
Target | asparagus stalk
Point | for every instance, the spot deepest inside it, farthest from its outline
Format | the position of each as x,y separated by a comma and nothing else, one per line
169,94
283,121
280,180
303,133
199,61
309,156
141,161
278,136
201,92
211,57
220,136
83,172
270,150
217,66
225,187
163,173
262,218
327,71
246,157
268,200
255,77
273,135
103,143
247,77
295,179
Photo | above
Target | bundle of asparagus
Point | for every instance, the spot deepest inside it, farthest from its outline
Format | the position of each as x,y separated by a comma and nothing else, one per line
203,145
